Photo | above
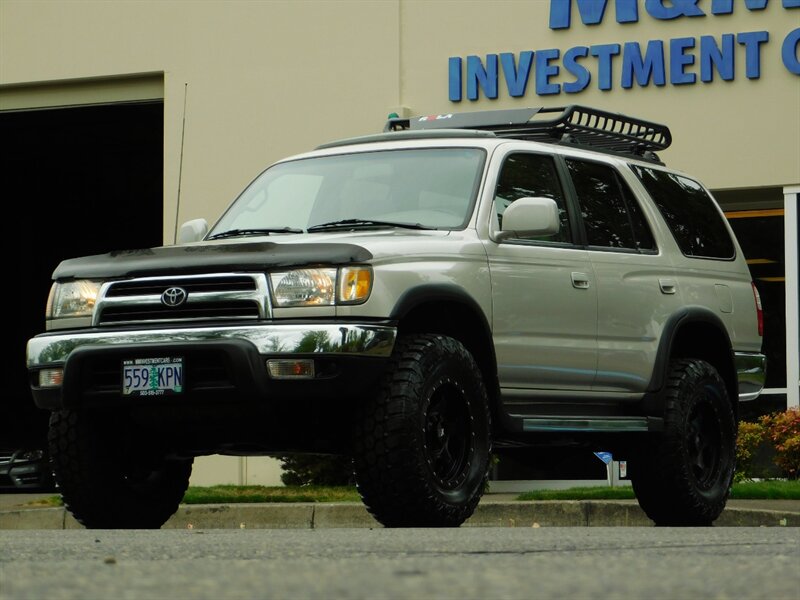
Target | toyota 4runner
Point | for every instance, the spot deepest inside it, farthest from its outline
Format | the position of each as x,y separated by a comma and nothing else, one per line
459,285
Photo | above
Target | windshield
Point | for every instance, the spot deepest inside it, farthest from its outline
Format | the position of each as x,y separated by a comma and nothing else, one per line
425,188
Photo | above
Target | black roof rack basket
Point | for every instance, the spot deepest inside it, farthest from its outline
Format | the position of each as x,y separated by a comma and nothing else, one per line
598,129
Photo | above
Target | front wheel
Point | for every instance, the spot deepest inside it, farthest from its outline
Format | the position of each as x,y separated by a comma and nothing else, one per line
683,476
422,443
106,481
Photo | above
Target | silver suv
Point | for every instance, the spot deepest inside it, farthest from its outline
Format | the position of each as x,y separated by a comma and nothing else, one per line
459,285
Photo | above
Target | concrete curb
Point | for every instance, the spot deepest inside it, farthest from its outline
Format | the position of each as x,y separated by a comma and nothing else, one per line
574,513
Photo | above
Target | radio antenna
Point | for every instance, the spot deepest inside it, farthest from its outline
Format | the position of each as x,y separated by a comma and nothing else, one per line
180,164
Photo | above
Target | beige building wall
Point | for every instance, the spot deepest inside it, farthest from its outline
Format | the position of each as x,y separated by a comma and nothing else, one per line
236,470
257,80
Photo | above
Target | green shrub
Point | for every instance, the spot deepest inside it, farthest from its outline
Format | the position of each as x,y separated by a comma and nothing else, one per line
749,439
316,469
777,436
783,432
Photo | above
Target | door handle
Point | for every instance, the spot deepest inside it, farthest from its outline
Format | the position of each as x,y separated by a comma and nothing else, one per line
580,281
668,286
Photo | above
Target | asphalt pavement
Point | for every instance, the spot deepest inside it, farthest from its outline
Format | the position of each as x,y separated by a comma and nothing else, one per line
615,563
19,511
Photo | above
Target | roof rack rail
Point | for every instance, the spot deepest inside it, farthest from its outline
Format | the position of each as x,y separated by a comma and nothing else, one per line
598,129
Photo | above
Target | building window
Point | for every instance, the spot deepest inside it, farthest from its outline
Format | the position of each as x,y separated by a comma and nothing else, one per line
760,234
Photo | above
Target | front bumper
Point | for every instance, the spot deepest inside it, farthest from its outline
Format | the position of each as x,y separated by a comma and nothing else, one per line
751,371
225,362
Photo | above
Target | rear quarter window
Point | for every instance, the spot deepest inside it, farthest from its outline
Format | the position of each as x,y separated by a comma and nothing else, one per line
690,213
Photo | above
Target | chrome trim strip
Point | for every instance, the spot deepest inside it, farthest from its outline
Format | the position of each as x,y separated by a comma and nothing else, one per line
751,371
339,338
259,296
606,424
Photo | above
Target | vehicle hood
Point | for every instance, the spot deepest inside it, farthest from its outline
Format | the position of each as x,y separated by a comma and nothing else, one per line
243,254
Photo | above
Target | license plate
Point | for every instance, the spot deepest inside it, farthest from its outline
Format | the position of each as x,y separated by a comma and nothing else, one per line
152,376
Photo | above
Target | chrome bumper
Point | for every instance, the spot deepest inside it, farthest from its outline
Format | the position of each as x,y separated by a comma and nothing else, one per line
346,338
751,370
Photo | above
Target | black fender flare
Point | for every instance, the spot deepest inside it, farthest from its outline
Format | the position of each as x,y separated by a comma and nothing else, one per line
439,292
685,316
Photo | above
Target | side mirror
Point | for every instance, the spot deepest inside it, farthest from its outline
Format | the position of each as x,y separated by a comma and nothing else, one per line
193,231
528,217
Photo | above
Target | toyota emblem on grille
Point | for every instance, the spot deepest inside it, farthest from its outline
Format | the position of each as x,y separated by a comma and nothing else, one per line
173,296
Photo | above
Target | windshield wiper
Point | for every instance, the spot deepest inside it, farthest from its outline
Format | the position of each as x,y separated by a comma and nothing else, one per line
348,223
254,231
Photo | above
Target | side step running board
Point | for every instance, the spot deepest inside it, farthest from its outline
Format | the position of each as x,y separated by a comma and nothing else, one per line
592,424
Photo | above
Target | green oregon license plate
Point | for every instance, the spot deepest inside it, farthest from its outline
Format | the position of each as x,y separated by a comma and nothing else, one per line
152,376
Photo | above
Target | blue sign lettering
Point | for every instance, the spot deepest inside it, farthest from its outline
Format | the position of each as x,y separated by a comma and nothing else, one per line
627,11
705,57
713,57
604,52
674,9
480,77
643,68
573,67
679,60
789,52
454,78
545,70
725,7
752,41
591,12
516,76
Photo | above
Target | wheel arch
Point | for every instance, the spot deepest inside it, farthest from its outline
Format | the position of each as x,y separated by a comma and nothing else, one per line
450,310
694,332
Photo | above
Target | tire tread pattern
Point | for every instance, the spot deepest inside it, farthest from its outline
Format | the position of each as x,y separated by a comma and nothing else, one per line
661,477
82,454
391,475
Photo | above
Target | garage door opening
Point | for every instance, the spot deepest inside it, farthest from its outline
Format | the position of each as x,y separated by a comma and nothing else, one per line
76,181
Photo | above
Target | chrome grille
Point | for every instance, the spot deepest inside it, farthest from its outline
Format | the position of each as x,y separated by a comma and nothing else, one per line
226,296
140,287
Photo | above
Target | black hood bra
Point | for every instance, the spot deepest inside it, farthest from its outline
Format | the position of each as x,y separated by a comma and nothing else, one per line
209,258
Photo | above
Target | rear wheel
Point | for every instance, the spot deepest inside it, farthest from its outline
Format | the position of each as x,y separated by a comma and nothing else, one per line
105,482
422,443
683,476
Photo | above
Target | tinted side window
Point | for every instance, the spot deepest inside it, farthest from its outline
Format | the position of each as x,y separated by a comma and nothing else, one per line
690,213
531,176
611,216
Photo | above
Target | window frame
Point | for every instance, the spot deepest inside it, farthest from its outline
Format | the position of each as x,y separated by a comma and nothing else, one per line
715,204
631,196
480,172
576,232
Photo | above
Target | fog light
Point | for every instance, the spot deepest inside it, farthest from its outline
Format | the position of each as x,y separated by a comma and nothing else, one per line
290,368
51,378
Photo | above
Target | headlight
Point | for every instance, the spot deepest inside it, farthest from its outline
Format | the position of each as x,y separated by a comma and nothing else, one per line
304,287
72,299
321,287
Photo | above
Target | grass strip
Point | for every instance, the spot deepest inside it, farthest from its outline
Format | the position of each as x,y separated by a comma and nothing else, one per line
767,490
580,493
749,490
49,502
225,494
